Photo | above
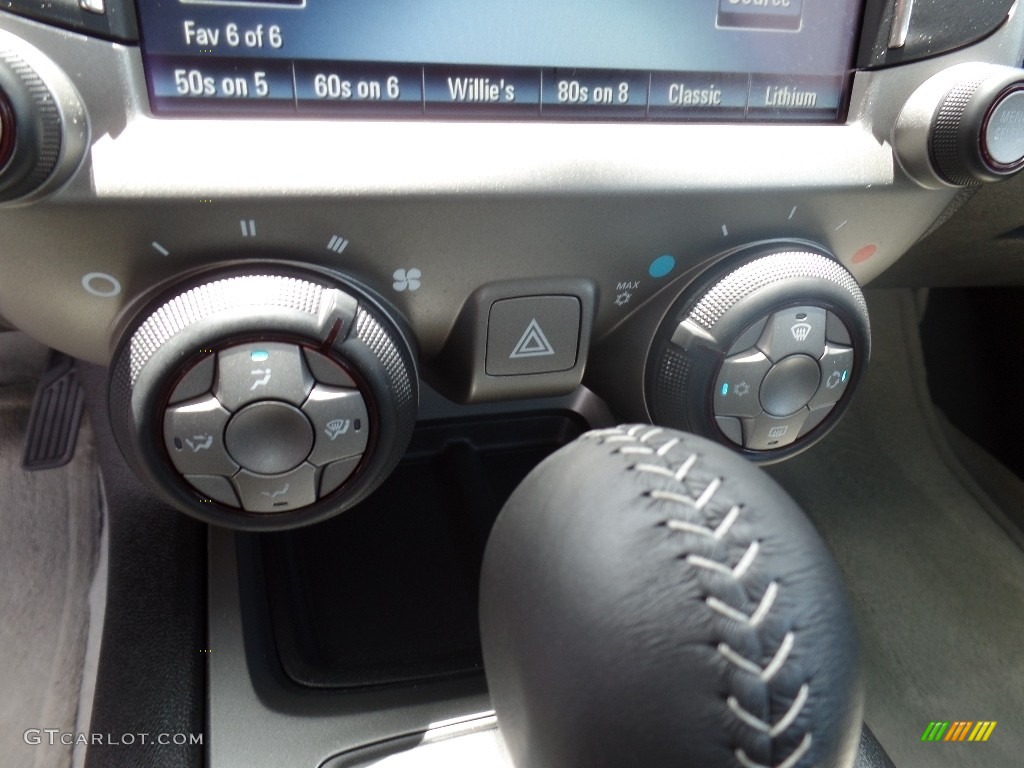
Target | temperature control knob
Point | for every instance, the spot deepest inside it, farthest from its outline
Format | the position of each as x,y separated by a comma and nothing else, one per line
763,353
964,126
264,401
43,130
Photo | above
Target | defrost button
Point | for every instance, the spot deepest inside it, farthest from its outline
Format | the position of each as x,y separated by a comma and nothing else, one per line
340,422
766,433
799,330
194,438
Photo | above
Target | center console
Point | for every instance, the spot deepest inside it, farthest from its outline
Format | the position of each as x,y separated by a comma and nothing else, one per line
303,234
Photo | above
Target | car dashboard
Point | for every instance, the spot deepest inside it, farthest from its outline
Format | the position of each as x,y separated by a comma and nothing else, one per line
363,235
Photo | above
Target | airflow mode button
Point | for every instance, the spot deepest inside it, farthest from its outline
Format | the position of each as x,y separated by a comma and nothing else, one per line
194,438
262,371
340,422
277,493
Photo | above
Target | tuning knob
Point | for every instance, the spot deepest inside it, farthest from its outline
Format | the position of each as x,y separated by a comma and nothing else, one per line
763,353
43,130
963,126
264,401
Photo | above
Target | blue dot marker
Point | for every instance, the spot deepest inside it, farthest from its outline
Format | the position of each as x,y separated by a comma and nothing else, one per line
662,265
259,355
844,375
725,389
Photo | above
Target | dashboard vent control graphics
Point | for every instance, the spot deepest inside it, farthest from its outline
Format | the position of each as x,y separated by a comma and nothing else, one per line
264,401
772,347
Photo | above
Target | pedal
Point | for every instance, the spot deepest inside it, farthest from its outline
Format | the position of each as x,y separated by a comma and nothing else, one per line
56,416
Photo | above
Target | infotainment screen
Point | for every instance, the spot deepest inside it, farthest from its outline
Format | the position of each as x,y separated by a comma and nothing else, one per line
674,60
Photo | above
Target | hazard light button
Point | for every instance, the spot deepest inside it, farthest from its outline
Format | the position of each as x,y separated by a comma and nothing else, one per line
532,334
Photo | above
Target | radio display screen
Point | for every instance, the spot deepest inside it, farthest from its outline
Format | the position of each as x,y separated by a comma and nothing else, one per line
656,60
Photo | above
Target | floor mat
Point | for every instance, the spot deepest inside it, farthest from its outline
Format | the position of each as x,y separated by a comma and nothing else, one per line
936,580
48,554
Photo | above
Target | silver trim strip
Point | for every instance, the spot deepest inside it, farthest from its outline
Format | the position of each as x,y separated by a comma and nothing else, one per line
902,11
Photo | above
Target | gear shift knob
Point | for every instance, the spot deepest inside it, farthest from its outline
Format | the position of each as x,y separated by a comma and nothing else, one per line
651,599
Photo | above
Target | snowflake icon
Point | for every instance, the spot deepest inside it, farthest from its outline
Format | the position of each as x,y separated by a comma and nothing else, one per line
406,279
742,389
623,299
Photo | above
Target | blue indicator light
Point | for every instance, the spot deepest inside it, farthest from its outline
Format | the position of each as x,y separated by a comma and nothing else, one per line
662,265
259,355
725,389
844,375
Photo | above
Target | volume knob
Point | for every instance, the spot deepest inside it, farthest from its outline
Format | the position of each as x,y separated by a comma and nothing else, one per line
963,126
43,130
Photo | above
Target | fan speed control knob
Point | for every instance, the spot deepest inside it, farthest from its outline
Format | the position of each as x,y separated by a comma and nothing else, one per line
264,401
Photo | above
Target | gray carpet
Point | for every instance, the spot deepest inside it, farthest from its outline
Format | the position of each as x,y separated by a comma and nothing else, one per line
936,580
48,553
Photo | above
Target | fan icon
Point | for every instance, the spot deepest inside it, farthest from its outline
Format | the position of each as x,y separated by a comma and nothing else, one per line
406,279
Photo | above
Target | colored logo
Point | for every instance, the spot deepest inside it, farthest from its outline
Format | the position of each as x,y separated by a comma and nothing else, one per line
958,730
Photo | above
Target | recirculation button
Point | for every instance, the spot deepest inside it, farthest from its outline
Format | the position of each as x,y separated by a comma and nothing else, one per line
836,369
